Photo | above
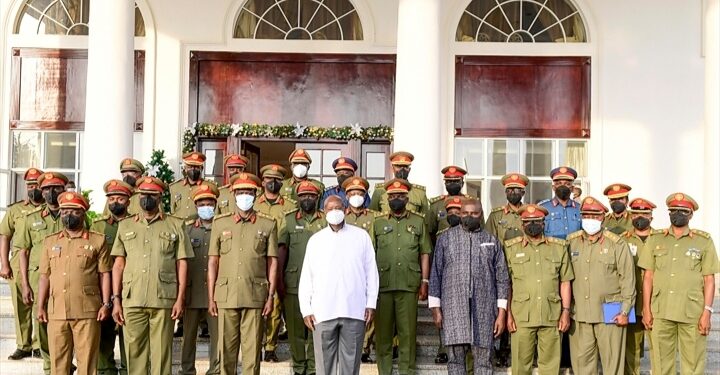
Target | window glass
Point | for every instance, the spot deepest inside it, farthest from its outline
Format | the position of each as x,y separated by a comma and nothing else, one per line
329,157
26,149
470,154
60,150
505,156
538,157
375,166
574,154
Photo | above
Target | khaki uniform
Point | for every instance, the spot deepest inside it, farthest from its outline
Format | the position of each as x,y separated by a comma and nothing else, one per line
242,285
295,234
635,344
436,217
181,203
226,200
289,184
277,210
22,314
679,265
536,269
618,225
604,272
417,200
133,206
149,288
504,223
72,265
196,301
108,225
398,242
32,231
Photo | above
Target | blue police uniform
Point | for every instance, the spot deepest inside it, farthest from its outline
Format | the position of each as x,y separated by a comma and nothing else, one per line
561,220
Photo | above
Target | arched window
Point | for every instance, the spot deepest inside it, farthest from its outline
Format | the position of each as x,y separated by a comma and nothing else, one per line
61,17
521,21
298,19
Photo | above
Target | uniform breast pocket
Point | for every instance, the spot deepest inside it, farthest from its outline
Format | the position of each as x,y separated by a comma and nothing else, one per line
552,266
167,242
261,242
86,256
607,261
167,285
225,243
661,258
292,277
129,240
518,265
384,272
92,299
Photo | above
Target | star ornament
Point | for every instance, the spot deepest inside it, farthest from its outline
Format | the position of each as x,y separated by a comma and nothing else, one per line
356,130
299,130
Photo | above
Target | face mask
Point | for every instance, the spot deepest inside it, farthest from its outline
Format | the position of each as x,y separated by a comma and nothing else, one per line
71,190
562,192
617,207
453,220
402,173
453,188
300,170
273,186
117,209
72,222
534,229
130,180
470,223
397,204
51,197
514,198
591,226
206,212
35,195
194,174
335,217
641,223
356,201
679,219
308,205
148,203
244,201
341,178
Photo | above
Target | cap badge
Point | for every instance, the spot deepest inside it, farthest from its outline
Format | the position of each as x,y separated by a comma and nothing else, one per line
49,175
356,182
205,188
531,209
274,167
589,201
113,183
341,161
127,162
194,156
563,170
679,197
148,180
616,187
452,170
68,196
396,184
514,177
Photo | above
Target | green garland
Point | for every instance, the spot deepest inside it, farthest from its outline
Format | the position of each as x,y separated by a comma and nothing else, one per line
246,130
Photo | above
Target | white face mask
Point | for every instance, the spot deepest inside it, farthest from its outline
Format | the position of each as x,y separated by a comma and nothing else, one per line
591,226
206,212
335,217
300,170
356,201
244,201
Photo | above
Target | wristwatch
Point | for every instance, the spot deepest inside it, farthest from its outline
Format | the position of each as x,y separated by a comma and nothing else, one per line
114,297
425,281
108,305
709,308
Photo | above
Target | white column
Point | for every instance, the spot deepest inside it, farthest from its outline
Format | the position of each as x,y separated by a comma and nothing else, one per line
417,90
710,205
110,104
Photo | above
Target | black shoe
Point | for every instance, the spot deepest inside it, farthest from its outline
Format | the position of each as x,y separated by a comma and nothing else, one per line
36,353
441,358
270,356
178,333
395,352
205,333
20,354
366,358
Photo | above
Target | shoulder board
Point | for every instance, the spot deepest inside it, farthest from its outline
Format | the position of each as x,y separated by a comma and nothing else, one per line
330,188
175,217
514,241
294,210
381,214
436,199
36,209
222,215
612,236
176,182
289,199
100,218
128,217
441,231
264,216
658,231
416,186
224,187
558,241
380,185
496,209
700,233
14,204
95,233
574,235
417,213
372,212
190,222
54,234
543,201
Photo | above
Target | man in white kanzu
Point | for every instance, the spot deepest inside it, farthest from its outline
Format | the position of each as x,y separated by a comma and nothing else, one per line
338,291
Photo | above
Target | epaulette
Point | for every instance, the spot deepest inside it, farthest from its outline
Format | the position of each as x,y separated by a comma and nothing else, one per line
556,240
436,199
54,233
380,185
36,209
175,182
658,231
612,236
289,199
222,216
190,221
294,210
543,202
617,230
127,217
700,232
372,212
13,204
100,218
513,241
224,187
416,186
265,216
496,209
574,235
417,213
96,233
329,188
381,214
441,231
175,217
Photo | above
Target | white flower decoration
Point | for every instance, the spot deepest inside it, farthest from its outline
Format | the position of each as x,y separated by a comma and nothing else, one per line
356,130
299,130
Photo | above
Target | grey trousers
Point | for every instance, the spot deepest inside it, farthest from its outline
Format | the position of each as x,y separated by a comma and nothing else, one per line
456,359
338,346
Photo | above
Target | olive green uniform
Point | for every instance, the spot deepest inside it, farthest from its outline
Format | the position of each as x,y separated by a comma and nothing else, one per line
604,272
32,231
679,265
133,206
181,203
196,301
295,234
151,249
536,269
73,266
289,184
399,242
417,200
504,223
436,218
226,200
619,224
22,314
635,343
277,209
108,225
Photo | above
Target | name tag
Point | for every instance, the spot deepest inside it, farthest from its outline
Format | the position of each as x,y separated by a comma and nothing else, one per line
56,248
519,255
693,253
226,233
633,249
195,242
575,253
299,227
37,224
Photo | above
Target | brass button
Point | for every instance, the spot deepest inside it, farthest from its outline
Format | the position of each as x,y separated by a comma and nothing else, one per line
672,275
587,297
538,280
64,274
144,271
537,263
539,297
399,263
586,278
674,259
64,290
671,292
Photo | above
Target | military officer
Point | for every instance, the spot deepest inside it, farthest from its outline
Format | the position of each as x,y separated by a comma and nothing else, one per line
417,199
273,204
299,226
118,195
242,282
403,248
563,213
504,222
149,280
678,286
9,266
641,217
131,171
181,204
539,311
604,273
300,165
234,164
38,224
76,264
453,177
618,221
344,168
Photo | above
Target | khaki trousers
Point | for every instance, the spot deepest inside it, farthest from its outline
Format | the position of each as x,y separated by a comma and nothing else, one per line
81,336
148,340
587,340
526,340
240,329
667,337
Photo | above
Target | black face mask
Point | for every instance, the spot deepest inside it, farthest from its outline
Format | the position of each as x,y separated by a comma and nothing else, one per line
51,197
534,229
453,188
273,186
453,220
148,203
514,198
402,173
194,174
617,207
470,223
35,195
641,223
397,204
341,178
130,180
72,222
117,209
679,219
308,205
562,192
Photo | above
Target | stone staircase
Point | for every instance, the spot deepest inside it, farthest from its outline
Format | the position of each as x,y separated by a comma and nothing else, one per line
427,341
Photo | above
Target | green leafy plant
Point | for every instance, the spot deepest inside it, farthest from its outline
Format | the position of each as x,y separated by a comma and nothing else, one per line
90,216
159,167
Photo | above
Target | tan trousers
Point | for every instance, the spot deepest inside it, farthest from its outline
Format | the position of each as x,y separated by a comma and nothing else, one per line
81,336
669,336
587,340
273,325
148,340
526,340
192,318
240,329
634,347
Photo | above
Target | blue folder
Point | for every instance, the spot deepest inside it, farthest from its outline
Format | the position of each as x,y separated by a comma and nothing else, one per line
612,309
